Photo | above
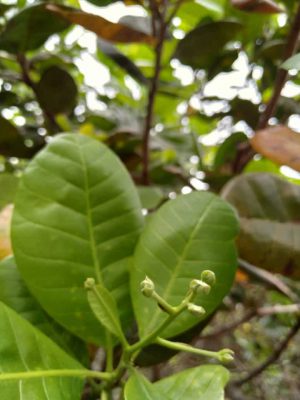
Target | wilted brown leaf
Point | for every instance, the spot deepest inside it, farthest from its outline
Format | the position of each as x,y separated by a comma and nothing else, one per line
5,219
111,31
280,144
257,6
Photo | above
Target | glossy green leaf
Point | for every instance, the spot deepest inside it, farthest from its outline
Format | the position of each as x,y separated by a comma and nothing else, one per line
150,196
29,29
184,237
269,213
105,309
77,215
23,348
201,383
56,91
8,185
201,45
138,388
14,293
292,63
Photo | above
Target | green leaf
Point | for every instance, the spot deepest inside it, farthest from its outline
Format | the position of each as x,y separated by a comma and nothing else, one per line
29,29
56,91
201,45
8,184
77,215
292,63
14,293
138,388
269,213
150,196
23,348
227,150
184,237
105,309
202,383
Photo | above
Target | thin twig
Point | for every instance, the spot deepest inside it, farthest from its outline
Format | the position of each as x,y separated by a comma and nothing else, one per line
268,278
273,357
153,88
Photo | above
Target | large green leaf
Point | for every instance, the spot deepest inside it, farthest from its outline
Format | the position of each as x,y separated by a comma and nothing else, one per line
138,388
23,348
77,215
202,383
269,209
8,184
29,29
201,45
186,236
14,293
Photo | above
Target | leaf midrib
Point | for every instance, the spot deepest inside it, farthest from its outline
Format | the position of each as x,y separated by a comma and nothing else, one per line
89,216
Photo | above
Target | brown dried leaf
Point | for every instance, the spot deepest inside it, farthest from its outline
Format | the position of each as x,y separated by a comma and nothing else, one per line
111,31
5,220
257,6
280,144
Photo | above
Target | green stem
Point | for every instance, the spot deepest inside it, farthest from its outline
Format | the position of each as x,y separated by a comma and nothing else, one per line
176,311
187,348
109,352
163,303
80,373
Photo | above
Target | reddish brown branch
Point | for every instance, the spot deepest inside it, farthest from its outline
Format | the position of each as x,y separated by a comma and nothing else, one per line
160,32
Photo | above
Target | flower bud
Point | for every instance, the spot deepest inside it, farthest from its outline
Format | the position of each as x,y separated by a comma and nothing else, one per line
147,287
198,286
226,355
208,277
89,283
197,311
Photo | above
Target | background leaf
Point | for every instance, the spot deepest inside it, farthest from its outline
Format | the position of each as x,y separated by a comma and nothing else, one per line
269,209
24,348
29,29
280,144
184,237
77,215
56,91
102,27
212,36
